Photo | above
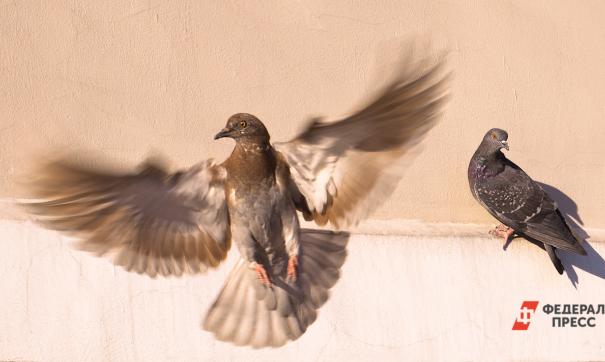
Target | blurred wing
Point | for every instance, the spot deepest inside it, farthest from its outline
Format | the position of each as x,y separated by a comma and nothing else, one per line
150,222
516,200
345,169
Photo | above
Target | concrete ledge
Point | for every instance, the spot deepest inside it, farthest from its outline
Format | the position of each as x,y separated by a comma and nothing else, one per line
396,227
11,212
410,297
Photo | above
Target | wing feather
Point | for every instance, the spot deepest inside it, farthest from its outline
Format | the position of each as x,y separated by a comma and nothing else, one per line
518,201
150,222
345,169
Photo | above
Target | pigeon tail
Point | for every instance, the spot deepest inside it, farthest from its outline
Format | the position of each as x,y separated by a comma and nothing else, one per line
554,258
246,312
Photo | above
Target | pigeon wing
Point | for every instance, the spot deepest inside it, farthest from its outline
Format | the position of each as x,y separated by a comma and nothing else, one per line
345,169
519,202
149,222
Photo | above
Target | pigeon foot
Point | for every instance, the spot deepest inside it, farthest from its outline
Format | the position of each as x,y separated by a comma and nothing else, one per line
502,231
293,267
262,275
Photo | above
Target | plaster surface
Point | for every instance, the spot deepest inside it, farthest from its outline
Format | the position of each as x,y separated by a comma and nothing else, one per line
400,297
126,78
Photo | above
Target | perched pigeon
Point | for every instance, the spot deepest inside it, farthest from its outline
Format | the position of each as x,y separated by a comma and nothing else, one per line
154,222
518,202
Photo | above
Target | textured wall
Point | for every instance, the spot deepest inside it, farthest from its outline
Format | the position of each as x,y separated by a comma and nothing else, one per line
400,298
128,77
124,78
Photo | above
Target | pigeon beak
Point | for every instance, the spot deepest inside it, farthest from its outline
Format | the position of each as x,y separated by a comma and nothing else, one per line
225,132
505,145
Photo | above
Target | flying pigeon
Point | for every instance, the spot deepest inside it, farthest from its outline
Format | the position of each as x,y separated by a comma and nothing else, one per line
159,223
516,200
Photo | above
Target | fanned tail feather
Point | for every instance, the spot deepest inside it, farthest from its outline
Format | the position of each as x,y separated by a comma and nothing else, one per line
248,313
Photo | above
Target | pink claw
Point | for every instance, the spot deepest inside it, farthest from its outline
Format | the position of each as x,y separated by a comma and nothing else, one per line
262,275
502,231
292,267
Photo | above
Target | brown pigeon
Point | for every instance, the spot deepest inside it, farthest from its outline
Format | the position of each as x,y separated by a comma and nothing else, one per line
516,200
158,223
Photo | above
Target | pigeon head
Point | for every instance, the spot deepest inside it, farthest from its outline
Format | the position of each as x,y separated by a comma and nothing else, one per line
494,140
244,127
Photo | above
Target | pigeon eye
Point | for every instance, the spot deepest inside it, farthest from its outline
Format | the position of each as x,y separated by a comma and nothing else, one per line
243,124
493,135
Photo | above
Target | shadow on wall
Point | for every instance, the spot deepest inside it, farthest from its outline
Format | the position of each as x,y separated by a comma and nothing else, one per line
592,263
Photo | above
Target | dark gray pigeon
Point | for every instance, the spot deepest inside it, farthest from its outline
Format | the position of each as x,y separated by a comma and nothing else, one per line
158,223
518,202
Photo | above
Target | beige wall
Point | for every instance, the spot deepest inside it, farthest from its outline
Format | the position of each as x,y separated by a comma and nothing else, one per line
124,78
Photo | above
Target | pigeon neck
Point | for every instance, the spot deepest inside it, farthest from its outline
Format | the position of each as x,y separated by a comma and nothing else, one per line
489,161
485,154
251,163
252,146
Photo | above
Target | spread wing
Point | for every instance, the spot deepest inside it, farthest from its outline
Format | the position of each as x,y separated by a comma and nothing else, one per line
149,222
517,201
345,169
